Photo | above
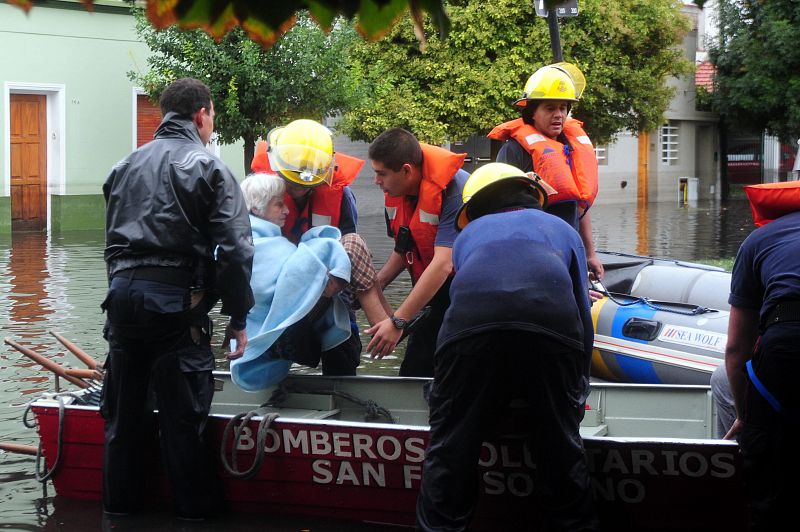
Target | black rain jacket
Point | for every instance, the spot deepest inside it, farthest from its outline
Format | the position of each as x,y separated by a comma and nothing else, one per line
173,203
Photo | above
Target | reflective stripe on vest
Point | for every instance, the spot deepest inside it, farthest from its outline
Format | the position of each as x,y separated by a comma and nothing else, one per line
428,217
318,219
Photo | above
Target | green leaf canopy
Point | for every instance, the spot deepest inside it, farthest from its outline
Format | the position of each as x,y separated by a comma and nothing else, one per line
303,75
466,83
757,59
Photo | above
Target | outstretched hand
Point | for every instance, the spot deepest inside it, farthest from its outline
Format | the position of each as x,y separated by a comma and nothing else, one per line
384,338
596,270
240,341
734,430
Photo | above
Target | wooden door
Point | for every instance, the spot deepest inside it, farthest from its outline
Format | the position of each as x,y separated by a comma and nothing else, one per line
28,162
148,117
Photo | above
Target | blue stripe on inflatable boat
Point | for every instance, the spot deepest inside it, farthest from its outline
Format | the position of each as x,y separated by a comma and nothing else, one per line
637,370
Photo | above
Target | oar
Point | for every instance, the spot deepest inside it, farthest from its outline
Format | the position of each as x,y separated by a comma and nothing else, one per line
84,373
45,363
75,350
18,448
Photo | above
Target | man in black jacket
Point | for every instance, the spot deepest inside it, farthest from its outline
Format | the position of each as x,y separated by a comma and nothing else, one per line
177,239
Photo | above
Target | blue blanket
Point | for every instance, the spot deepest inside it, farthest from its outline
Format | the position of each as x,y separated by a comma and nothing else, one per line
287,282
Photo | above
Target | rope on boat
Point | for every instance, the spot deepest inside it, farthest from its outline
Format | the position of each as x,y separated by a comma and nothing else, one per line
40,468
695,310
374,411
238,424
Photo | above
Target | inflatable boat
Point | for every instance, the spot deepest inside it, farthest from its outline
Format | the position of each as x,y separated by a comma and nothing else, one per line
661,321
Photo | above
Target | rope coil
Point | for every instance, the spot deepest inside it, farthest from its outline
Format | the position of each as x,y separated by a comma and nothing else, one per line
40,467
237,424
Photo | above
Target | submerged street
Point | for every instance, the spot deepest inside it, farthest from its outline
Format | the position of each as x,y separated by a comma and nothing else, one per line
56,283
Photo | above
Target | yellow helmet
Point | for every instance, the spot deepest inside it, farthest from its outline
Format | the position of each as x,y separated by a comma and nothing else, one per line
302,151
559,81
484,179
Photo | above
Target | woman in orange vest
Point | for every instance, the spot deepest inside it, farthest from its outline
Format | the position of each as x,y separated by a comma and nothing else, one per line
547,141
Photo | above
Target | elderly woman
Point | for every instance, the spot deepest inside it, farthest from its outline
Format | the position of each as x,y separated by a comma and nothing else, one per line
299,313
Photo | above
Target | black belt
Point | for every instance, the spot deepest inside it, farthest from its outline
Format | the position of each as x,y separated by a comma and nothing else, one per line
783,311
161,274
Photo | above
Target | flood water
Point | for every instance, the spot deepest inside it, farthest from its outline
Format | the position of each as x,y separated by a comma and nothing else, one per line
56,283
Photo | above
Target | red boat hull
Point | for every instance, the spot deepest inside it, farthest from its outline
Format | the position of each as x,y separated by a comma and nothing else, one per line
371,473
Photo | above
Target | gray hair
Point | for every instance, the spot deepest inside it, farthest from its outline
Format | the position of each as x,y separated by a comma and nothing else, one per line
259,189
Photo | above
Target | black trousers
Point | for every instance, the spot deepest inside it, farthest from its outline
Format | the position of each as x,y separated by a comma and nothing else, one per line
475,378
155,345
300,343
418,360
343,359
767,440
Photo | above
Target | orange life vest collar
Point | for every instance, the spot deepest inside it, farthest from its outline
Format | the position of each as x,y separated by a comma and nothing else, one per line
260,162
422,218
573,174
770,201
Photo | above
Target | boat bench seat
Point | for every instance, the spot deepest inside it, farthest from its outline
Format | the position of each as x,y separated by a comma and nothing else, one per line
595,430
299,406
305,413
306,406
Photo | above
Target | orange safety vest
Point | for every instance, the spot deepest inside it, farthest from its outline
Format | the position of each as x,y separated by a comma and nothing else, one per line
324,205
770,201
574,182
260,162
438,168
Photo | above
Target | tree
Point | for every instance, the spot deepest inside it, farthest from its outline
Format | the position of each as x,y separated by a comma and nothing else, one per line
757,61
466,83
254,90
265,22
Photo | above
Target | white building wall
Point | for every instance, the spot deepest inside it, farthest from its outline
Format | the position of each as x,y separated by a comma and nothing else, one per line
618,177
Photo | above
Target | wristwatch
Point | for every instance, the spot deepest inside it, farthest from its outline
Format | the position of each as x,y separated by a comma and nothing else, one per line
399,323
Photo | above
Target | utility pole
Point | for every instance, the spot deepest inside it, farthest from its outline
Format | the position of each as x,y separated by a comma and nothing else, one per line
567,8
555,36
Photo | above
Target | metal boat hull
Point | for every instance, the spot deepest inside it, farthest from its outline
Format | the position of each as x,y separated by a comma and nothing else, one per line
320,460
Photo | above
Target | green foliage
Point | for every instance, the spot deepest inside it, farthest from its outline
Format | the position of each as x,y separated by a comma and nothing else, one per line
724,263
704,99
466,83
265,22
303,75
757,60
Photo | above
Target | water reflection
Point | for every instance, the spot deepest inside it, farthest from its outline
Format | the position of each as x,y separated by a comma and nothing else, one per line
58,283
29,272
706,231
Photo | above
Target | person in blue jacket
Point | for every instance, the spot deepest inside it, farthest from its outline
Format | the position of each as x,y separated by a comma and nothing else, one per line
298,315
518,326
762,361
